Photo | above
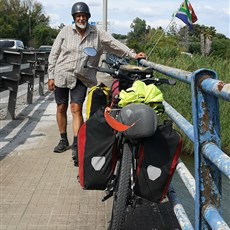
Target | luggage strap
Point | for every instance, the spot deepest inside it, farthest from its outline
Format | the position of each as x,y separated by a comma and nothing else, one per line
113,123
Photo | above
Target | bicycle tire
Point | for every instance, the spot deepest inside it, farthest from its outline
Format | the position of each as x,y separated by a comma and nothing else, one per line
121,195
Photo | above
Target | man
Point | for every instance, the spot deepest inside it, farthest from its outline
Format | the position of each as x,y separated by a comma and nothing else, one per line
67,75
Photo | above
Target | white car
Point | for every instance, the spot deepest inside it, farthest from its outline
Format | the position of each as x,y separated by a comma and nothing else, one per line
11,44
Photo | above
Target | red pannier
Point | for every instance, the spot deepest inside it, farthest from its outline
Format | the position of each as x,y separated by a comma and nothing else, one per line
158,158
115,92
96,152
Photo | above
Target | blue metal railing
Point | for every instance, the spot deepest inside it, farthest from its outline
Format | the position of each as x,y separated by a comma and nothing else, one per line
210,160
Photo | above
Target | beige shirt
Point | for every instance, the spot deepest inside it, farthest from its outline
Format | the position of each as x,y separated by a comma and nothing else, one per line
67,59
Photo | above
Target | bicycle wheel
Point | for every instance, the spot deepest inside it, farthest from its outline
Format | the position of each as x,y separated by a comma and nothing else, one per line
121,194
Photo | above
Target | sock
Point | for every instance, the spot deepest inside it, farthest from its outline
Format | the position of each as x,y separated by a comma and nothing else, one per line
64,136
74,140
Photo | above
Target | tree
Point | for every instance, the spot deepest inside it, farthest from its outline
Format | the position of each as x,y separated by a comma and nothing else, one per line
43,35
172,29
8,18
136,38
184,38
20,18
221,47
197,40
119,36
206,35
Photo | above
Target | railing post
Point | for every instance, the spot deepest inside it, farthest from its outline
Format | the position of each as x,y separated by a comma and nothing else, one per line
206,123
40,70
12,99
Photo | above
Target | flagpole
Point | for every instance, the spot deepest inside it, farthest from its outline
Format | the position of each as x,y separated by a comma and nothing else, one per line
174,15
160,38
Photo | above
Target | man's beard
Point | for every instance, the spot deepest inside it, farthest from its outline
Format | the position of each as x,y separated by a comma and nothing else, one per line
81,26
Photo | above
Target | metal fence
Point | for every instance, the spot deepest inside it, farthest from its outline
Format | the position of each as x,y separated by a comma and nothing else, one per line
210,161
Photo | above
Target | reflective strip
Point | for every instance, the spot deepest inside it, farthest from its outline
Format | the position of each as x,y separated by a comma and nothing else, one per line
153,172
98,163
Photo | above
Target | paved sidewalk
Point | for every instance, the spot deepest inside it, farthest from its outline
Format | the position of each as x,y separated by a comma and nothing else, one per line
39,188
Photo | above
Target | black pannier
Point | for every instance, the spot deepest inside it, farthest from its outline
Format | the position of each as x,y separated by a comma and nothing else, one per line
96,152
158,158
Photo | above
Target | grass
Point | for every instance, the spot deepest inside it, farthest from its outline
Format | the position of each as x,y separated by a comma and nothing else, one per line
179,96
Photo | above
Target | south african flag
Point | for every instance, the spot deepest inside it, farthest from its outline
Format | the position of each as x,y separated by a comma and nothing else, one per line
186,14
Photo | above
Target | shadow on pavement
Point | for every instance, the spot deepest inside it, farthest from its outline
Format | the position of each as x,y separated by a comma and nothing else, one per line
16,132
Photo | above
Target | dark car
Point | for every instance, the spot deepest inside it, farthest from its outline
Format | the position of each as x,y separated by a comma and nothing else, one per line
45,48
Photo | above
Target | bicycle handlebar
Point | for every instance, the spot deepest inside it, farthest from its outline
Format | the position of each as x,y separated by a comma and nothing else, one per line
116,73
102,70
113,64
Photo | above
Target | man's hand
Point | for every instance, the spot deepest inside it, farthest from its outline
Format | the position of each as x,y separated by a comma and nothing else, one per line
140,55
51,85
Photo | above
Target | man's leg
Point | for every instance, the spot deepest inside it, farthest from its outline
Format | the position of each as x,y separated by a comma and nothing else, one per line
61,97
77,95
61,117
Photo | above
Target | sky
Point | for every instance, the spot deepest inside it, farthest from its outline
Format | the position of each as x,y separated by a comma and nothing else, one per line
121,13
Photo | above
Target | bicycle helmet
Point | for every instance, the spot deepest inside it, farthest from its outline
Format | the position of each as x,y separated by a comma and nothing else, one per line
80,7
142,116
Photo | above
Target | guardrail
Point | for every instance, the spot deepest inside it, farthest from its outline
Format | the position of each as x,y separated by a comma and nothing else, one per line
210,161
19,67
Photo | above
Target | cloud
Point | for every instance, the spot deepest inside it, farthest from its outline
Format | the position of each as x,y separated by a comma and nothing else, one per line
119,27
54,20
121,13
